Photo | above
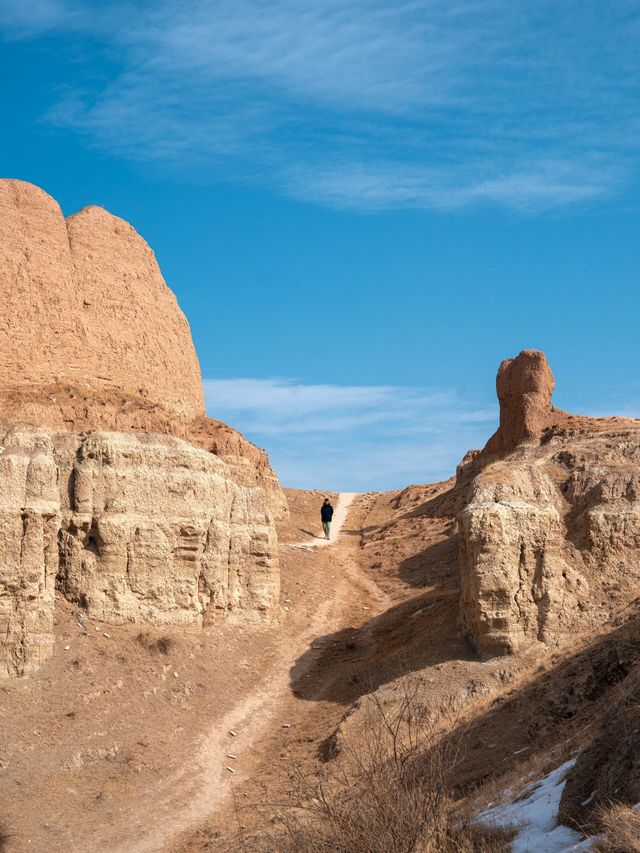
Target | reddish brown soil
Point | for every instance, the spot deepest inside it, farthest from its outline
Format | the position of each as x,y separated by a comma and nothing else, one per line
105,749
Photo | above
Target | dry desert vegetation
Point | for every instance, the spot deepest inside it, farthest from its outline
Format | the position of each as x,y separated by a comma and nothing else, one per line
185,668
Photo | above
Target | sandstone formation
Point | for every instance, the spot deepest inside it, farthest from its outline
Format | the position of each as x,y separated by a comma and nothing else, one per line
516,584
551,518
524,386
153,529
114,486
85,304
29,523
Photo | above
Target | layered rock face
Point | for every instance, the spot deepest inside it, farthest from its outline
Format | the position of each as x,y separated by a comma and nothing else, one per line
516,583
30,516
550,531
154,530
114,486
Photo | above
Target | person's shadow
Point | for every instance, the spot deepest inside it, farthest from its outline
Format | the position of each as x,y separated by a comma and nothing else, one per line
309,533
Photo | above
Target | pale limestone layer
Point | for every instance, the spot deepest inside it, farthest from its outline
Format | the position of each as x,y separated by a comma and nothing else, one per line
550,530
30,519
135,528
517,585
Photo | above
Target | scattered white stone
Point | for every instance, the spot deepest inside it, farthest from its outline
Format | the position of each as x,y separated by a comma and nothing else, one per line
108,636
175,674
232,756
66,648
233,734
231,770
286,725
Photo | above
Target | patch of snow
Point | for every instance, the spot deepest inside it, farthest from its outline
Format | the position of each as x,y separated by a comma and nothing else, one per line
535,815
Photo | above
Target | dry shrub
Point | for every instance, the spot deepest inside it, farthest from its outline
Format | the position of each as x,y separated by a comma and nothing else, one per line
155,645
387,793
518,778
621,830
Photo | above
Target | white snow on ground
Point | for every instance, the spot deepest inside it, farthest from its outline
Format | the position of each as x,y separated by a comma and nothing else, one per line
535,815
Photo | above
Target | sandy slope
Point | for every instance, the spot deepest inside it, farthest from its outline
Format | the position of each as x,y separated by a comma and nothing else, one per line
106,749
345,499
294,710
110,747
265,706
203,786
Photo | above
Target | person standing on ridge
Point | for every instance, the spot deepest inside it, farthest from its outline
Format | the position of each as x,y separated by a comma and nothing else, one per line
326,514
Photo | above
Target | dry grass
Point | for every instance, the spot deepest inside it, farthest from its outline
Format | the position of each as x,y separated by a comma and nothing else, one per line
155,645
386,793
621,830
531,767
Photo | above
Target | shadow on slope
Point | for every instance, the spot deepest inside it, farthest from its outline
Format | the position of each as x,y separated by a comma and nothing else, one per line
560,709
342,666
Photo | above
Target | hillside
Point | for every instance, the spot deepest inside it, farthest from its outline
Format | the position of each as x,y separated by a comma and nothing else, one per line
188,666
505,600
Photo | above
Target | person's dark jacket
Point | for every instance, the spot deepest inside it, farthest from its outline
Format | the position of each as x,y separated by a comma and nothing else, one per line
326,512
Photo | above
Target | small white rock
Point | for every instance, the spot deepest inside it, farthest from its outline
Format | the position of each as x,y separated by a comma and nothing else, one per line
233,734
231,770
175,674
66,648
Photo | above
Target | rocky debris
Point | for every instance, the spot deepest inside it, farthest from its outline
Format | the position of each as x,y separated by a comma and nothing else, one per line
550,528
113,483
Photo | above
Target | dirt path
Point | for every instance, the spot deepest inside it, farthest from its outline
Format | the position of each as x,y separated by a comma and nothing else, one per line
204,785
339,517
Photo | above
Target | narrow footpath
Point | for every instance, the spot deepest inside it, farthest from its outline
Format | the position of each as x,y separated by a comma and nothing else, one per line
238,745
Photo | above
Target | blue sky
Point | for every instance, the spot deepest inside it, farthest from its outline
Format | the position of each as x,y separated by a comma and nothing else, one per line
362,206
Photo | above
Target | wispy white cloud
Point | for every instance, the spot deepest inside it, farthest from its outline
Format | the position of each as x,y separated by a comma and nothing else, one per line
530,187
364,103
353,437
24,20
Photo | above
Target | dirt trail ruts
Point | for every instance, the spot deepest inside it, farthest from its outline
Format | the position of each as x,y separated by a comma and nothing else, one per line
205,784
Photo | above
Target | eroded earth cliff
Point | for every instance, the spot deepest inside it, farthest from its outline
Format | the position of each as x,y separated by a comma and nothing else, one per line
550,527
115,488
